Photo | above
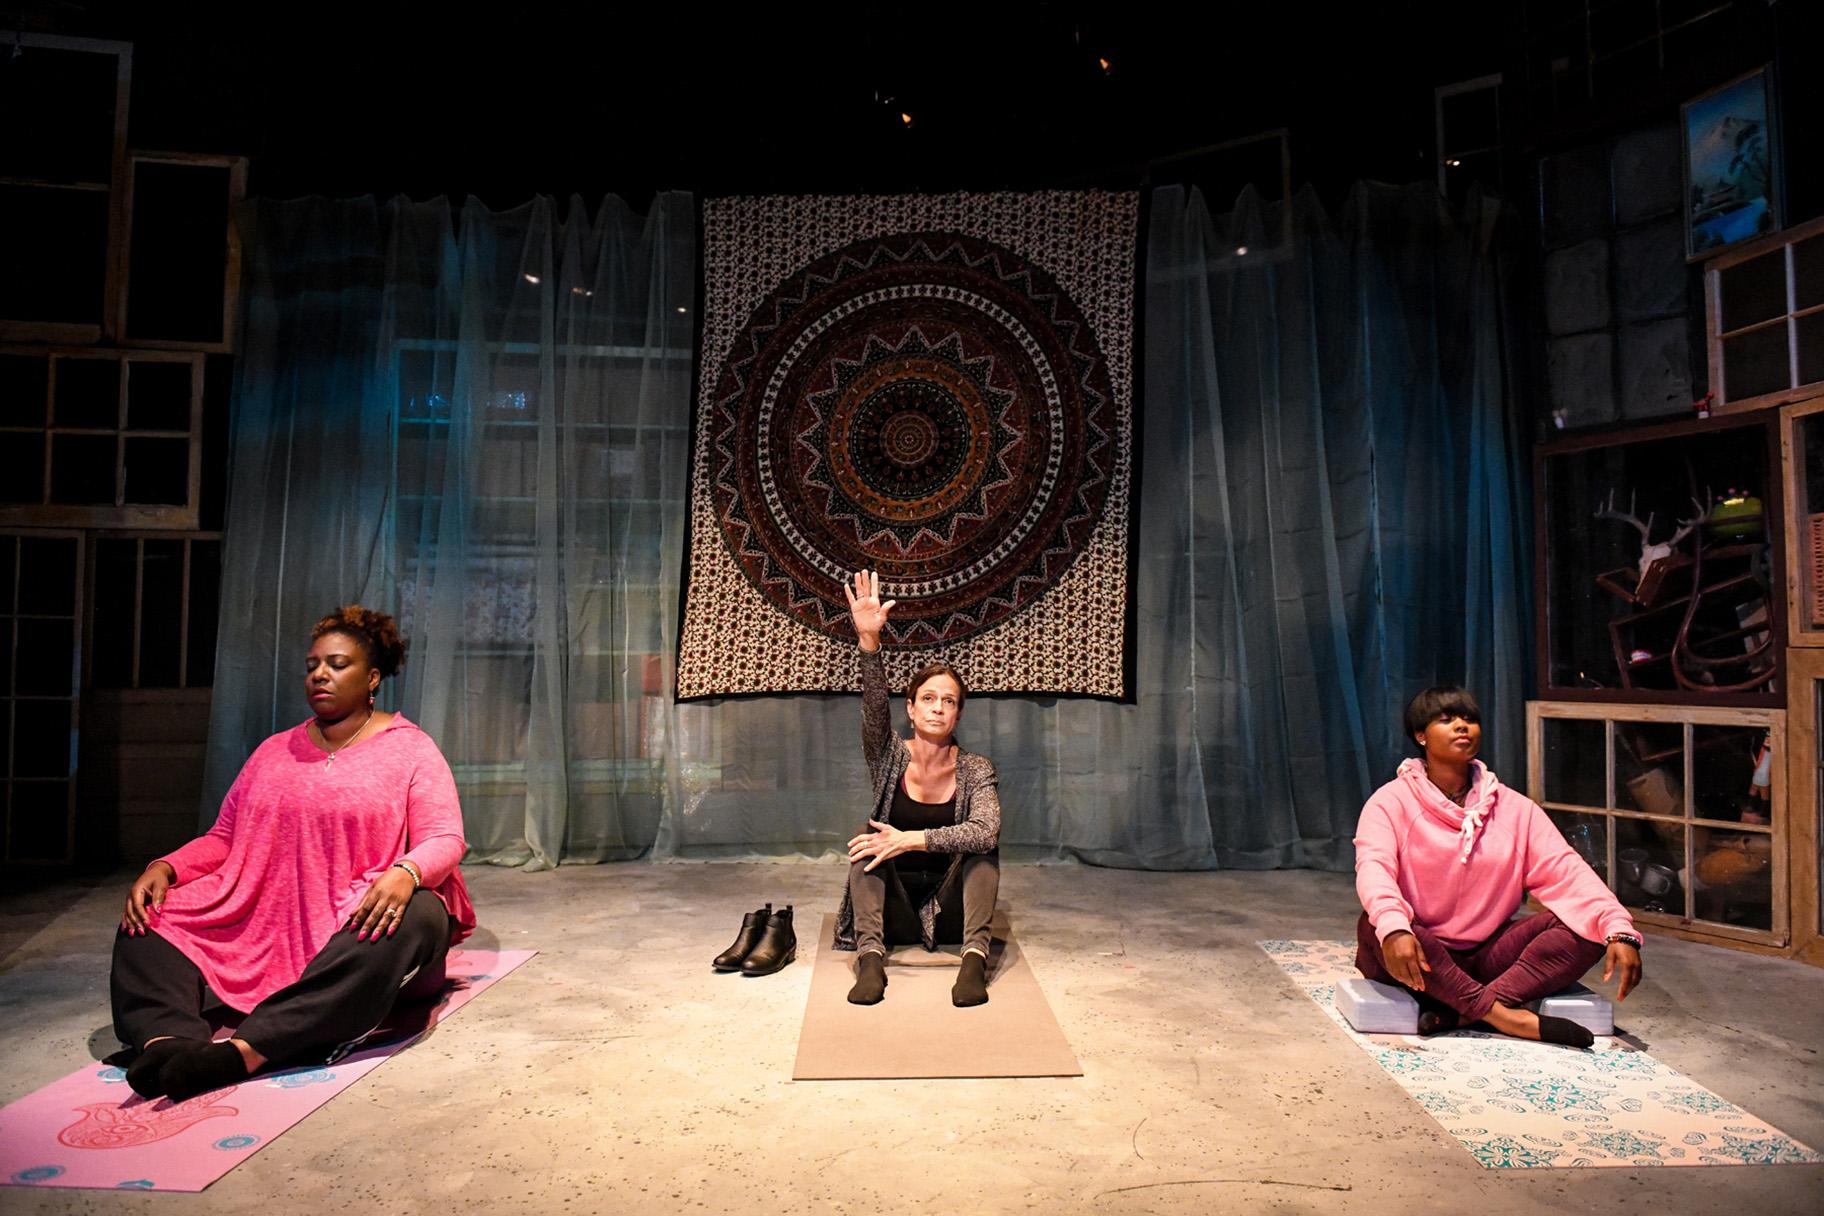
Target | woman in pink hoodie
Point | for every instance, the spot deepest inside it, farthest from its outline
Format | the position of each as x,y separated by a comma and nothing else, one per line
1444,855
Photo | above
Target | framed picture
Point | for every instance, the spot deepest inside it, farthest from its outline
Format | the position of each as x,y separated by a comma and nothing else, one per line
1732,164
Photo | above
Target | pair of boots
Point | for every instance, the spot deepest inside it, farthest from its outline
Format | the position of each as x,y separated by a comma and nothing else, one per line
765,944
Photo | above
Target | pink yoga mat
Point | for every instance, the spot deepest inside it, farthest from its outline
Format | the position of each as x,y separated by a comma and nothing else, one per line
90,1130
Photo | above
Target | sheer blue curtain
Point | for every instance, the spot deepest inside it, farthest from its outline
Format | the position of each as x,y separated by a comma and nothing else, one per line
1334,459
482,421
479,421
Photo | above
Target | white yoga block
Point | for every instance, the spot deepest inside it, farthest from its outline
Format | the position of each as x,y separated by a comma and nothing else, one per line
1376,1008
1578,1004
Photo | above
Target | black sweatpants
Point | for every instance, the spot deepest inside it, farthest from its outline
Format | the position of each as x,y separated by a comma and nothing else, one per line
343,995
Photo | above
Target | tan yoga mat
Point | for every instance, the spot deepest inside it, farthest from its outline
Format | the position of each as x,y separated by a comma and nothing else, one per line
916,1032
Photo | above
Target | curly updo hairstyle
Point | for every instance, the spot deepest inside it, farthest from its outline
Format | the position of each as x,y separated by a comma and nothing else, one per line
377,632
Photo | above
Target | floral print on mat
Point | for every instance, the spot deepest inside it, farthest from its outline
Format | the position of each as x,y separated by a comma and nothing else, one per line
1517,1105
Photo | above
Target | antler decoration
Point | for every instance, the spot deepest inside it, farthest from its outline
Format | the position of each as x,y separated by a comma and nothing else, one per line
1650,551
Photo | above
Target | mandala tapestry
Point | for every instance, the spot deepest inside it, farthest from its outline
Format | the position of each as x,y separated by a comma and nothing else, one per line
938,388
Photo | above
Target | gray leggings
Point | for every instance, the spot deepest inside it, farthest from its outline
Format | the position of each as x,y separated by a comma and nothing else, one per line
887,902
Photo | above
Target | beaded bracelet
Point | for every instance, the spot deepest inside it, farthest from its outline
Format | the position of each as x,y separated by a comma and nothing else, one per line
1629,938
409,868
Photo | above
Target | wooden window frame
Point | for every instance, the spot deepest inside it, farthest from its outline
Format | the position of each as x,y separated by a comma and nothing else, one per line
77,333
231,277
1777,939
1714,335
45,514
75,698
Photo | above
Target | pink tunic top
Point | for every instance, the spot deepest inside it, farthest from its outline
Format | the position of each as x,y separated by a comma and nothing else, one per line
297,845
1462,871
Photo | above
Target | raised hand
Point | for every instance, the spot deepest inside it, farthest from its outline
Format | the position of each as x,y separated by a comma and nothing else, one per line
865,609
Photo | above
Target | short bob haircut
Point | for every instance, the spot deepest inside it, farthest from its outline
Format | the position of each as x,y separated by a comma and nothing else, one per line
377,632
934,670
1438,701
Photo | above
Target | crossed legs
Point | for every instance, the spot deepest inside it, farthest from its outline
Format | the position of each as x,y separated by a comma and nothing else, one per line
1526,959
343,995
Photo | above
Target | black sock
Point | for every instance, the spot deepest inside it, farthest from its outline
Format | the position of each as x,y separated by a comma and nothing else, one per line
197,1072
971,987
144,1074
1563,1030
870,979
1438,1021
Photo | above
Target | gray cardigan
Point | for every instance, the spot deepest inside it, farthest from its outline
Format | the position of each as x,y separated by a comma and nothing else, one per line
978,804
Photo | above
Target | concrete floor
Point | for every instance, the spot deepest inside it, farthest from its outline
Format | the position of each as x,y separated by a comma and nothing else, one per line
617,1073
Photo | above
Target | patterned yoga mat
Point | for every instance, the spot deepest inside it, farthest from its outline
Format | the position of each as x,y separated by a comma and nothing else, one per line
1520,1105
936,387
90,1130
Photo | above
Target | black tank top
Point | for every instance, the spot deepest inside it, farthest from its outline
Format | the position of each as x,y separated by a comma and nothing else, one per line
910,815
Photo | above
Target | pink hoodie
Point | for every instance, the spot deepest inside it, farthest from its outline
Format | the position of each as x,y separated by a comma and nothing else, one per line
1462,871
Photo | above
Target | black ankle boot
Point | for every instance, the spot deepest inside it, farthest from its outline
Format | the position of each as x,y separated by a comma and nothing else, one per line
752,926
778,945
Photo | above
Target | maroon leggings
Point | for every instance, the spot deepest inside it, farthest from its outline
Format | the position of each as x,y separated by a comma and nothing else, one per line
1525,960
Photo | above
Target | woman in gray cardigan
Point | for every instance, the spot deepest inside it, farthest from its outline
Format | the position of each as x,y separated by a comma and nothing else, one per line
927,868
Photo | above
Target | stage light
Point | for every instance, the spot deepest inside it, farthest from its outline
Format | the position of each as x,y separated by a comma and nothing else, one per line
531,278
581,291
905,119
1241,251
682,309
1453,163
1108,69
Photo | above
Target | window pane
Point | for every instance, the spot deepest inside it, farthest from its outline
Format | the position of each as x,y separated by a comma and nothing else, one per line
1576,765
111,651
1810,337
60,114
47,658
43,743
47,575
1588,835
1754,290
1808,272
1756,363
1728,781
1649,863
88,393
82,469
158,396
59,273
8,554
158,471
1650,768
161,613
22,468
178,260
1734,883
24,381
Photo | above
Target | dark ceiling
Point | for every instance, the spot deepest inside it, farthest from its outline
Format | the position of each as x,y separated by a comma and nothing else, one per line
505,101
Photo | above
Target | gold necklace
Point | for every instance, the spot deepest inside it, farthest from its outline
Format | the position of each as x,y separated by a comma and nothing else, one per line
331,758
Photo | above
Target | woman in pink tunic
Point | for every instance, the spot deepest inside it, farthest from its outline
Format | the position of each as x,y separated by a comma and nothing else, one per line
327,890
1444,856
